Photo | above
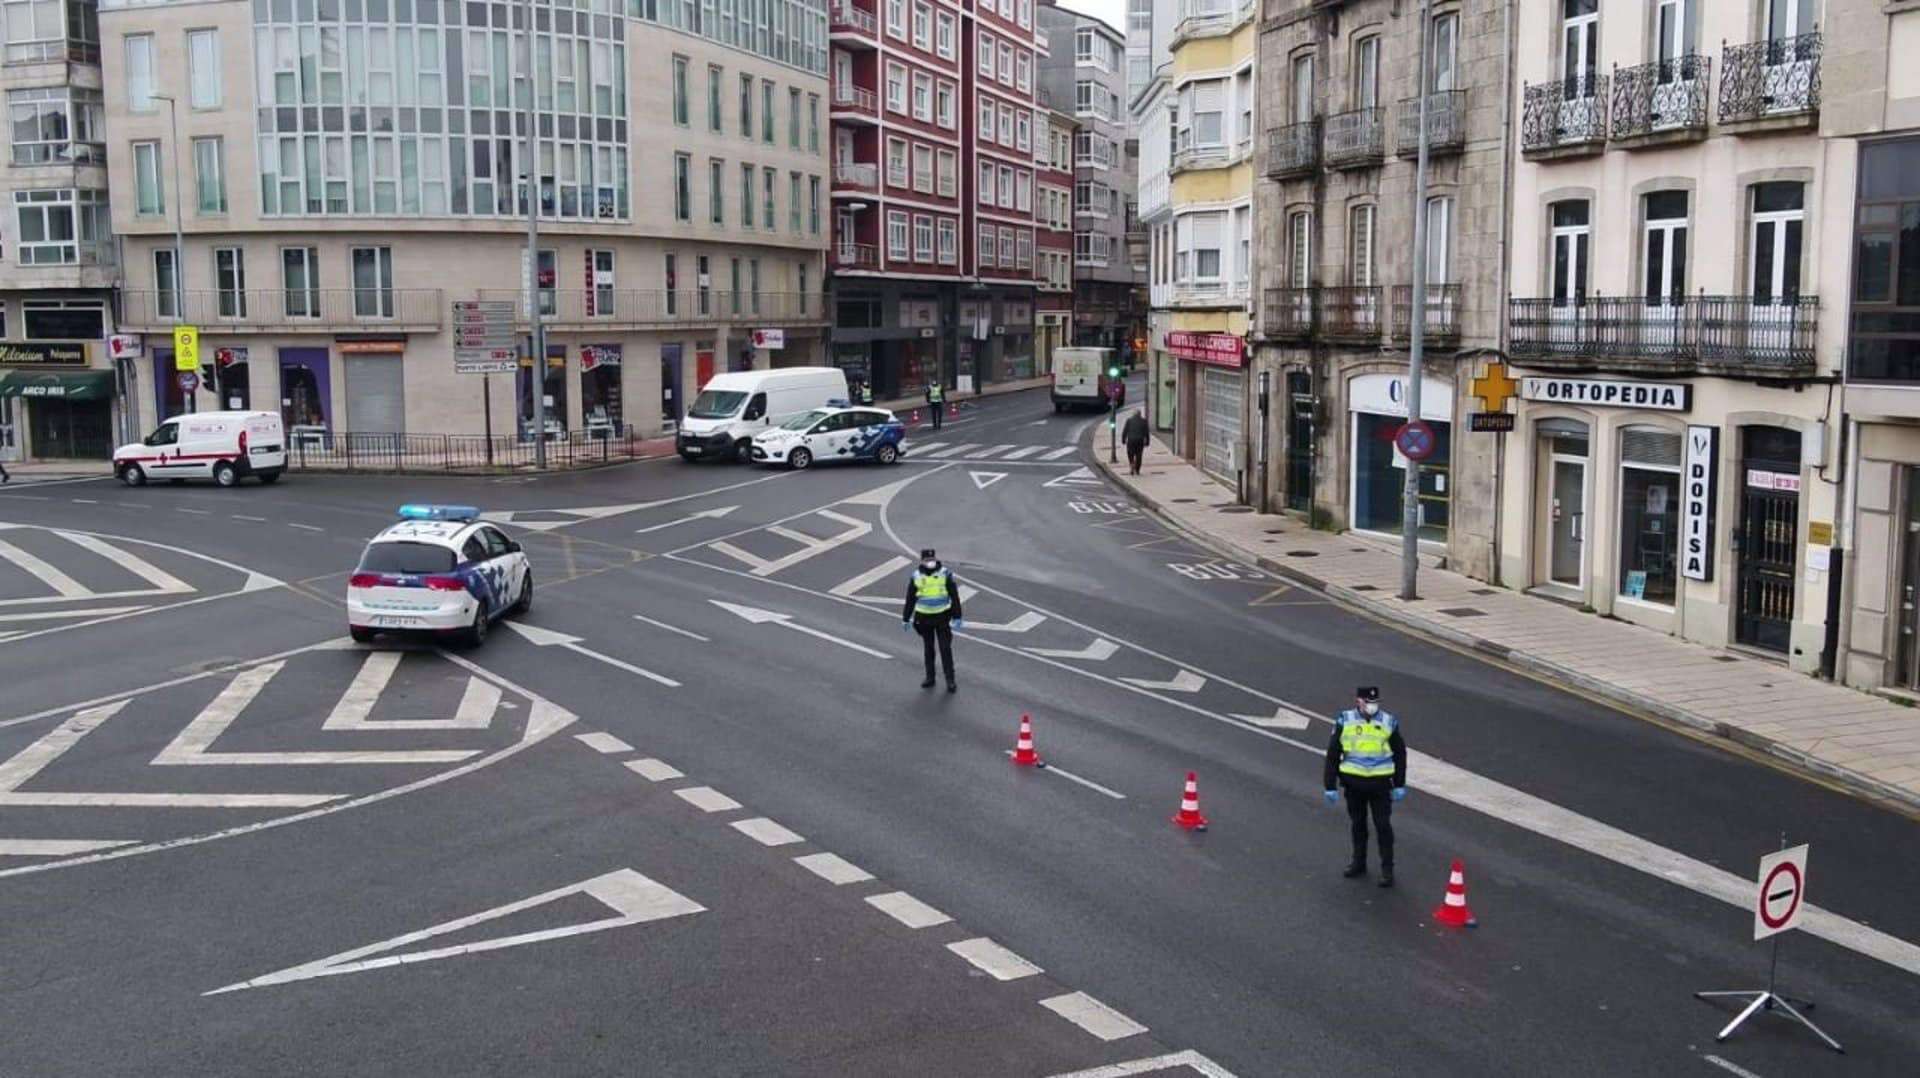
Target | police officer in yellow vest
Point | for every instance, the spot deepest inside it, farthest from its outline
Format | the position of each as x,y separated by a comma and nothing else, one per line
1369,760
866,392
933,608
937,402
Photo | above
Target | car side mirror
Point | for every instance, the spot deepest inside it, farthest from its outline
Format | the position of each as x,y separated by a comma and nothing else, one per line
513,546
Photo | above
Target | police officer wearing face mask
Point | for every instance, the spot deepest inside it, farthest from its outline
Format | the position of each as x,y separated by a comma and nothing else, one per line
933,608
1368,758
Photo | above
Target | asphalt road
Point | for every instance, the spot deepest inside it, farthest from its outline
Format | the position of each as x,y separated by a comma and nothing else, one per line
525,858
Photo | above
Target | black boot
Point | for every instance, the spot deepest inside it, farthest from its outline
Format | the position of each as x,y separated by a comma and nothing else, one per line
952,686
1386,875
927,684
1355,870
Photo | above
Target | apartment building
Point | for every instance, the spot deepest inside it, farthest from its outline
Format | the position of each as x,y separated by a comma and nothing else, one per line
61,394
1871,94
353,170
933,253
1677,316
1200,109
1092,76
1341,102
1052,233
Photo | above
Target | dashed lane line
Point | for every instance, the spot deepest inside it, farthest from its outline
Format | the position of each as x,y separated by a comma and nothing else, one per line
304,527
603,743
994,960
654,770
766,832
707,799
833,868
1093,1016
907,909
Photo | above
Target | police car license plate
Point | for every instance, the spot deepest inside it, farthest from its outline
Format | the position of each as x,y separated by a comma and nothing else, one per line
695,450
395,620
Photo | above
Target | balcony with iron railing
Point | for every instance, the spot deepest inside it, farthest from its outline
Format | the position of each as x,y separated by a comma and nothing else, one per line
589,308
1446,124
851,25
1356,139
1190,157
856,103
855,256
1564,118
1440,326
1747,335
1662,102
1286,314
852,177
1767,85
1293,150
1350,313
281,310
57,51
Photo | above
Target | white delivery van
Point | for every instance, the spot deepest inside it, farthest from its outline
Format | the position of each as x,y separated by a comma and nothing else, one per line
1080,378
221,446
734,407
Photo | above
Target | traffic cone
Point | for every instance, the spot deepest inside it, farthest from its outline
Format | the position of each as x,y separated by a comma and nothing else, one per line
1453,909
1023,753
916,417
1189,815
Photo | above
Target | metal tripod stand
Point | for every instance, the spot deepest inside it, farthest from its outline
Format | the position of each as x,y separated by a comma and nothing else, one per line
1768,999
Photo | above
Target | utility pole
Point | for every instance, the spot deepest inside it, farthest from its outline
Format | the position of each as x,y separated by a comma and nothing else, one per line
1410,496
179,258
536,330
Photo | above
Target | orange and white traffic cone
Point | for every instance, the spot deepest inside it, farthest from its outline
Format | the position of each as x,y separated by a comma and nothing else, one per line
1023,753
1189,815
1453,909
916,417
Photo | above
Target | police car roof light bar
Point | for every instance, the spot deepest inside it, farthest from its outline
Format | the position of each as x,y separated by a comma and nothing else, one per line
462,513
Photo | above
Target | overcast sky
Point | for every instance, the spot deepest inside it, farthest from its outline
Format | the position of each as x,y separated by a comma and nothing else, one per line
1114,12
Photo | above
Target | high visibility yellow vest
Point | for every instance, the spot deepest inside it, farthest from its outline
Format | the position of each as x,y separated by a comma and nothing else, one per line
936,393
1365,748
931,594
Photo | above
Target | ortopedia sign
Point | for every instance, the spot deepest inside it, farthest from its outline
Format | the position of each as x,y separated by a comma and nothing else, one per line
1609,393
1219,349
1782,894
769,338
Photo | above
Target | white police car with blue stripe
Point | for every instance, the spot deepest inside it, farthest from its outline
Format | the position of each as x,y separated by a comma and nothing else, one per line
439,570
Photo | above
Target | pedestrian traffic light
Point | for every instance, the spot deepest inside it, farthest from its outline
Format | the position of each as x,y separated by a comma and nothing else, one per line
1113,371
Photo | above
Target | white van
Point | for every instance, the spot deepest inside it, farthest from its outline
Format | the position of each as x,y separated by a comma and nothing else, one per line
732,408
221,446
1080,378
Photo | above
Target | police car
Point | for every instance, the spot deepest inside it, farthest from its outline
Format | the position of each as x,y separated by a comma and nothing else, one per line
439,570
836,432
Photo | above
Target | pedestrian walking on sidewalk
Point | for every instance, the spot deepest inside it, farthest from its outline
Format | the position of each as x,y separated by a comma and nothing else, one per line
937,402
1135,434
4,477
1369,760
933,609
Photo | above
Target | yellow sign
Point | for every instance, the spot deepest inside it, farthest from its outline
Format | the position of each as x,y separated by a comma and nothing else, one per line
186,348
1494,388
1820,532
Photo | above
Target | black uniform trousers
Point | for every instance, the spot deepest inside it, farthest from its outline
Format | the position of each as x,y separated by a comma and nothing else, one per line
936,628
1135,451
939,410
1368,794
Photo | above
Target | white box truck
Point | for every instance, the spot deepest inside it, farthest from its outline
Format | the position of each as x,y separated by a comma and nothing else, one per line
1080,379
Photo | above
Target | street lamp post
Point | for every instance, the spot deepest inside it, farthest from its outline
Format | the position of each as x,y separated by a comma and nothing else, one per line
536,331
1410,495
179,257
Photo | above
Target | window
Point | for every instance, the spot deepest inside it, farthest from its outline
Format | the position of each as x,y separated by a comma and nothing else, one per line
923,168
813,123
1439,240
923,97
56,124
1023,191
766,111
753,284
1006,248
1360,239
1366,73
139,49
1207,242
1300,249
716,191
1006,187
986,120
896,88
1091,248
986,183
793,118
682,187
373,282
1664,248
1301,88
896,235
1243,99
734,285
1023,250
149,195
746,106
943,35
1023,132
671,294
1779,217
922,26
947,172
1579,45
166,284
299,281
1242,245
949,241
203,68
794,208
1023,66
1885,343
230,281
1572,236
813,205
210,175
716,75
897,18
1445,38
769,177
702,285
680,90
1649,513
1006,125
943,105
1204,104
922,238
986,55
1006,63
897,162
746,196
986,245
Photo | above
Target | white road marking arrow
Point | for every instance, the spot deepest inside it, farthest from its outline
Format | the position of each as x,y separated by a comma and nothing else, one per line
704,514
983,480
1184,681
1025,622
1079,477
757,616
1283,718
632,897
539,637
1100,650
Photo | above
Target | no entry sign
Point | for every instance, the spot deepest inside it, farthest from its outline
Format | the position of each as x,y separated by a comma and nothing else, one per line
1782,894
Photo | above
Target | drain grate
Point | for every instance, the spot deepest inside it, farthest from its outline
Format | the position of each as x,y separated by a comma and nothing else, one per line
1364,587
1303,553
1463,612
1236,509
1486,591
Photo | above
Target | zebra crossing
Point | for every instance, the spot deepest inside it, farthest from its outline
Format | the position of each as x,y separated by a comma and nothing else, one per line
58,578
1004,452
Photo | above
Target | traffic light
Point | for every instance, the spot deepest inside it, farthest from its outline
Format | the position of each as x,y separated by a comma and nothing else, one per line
1113,371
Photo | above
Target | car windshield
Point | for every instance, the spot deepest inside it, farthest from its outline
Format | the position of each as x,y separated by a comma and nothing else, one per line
406,558
805,419
716,404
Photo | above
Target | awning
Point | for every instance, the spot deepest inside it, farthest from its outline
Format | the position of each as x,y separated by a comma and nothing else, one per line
57,385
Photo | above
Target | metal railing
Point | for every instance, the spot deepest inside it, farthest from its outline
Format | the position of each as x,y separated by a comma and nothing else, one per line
1564,113
855,99
1187,157
1446,123
1356,139
863,177
1293,150
616,307
313,310
43,52
1666,95
1350,312
1442,321
466,453
1770,78
1287,313
1668,333
848,18
855,256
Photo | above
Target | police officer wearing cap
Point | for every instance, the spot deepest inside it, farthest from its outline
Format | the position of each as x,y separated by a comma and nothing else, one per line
1369,760
933,608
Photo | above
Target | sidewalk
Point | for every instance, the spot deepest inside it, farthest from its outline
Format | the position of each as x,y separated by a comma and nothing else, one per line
958,402
27,473
1858,740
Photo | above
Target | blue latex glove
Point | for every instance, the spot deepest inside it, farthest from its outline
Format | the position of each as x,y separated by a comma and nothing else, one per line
1332,796
959,623
1399,793
906,626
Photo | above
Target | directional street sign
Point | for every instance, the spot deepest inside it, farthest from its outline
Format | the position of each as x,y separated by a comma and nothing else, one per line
483,337
1782,894
1415,440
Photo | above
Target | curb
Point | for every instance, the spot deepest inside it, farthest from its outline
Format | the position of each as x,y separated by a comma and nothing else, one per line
1630,703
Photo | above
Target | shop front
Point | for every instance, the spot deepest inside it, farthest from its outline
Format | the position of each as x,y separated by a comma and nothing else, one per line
601,399
1377,407
53,404
1217,371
